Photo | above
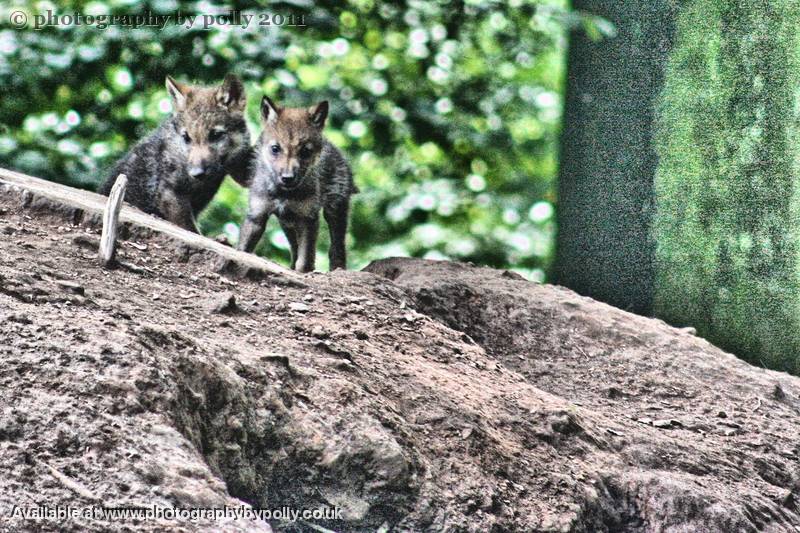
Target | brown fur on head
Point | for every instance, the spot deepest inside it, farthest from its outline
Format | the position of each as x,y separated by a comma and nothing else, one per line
209,122
291,141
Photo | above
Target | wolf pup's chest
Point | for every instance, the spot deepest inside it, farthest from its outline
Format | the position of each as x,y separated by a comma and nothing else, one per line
295,209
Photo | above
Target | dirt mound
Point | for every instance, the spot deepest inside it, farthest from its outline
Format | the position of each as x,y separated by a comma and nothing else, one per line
700,440
444,398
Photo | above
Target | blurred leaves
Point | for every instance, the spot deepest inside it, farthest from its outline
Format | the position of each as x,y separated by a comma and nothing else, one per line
448,112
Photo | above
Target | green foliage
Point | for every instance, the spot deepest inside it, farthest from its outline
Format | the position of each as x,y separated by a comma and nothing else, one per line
448,112
727,224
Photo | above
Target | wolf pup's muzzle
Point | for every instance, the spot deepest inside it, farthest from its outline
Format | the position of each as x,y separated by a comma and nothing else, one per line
290,181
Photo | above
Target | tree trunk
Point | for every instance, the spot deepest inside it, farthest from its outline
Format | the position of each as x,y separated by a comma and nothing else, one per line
608,162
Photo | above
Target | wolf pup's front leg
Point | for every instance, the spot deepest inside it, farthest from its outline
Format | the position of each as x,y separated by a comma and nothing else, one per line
177,209
297,173
307,230
260,208
174,172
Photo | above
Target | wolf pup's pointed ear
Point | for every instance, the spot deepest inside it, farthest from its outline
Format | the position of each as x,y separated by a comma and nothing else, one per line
269,111
319,113
231,93
177,92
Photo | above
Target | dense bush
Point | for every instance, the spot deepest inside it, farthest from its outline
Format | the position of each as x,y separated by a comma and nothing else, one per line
449,112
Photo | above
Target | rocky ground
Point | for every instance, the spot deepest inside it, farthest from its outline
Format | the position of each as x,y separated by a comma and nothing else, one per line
414,396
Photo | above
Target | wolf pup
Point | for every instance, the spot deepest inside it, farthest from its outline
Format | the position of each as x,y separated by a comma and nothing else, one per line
297,172
176,171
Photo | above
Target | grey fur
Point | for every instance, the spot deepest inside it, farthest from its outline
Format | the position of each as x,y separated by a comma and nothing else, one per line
160,167
322,181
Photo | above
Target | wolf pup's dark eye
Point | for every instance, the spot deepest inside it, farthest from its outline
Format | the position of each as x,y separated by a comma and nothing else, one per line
305,151
186,137
216,135
275,149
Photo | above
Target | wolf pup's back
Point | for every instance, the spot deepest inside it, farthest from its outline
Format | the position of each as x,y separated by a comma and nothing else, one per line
297,173
175,171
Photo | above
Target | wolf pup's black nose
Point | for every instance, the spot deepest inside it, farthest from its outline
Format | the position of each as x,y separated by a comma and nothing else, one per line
288,180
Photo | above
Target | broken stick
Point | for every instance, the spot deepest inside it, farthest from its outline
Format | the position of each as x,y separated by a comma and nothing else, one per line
108,240
71,484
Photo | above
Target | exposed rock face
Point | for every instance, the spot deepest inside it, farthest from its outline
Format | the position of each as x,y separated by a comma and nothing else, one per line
414,396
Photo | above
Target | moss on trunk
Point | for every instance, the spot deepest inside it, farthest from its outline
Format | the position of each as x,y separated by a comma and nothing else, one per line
727,199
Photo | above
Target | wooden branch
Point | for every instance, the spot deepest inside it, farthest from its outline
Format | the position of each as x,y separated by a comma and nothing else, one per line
108,239
67,201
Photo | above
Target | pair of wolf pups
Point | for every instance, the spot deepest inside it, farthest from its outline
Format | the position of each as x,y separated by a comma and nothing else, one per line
292,171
